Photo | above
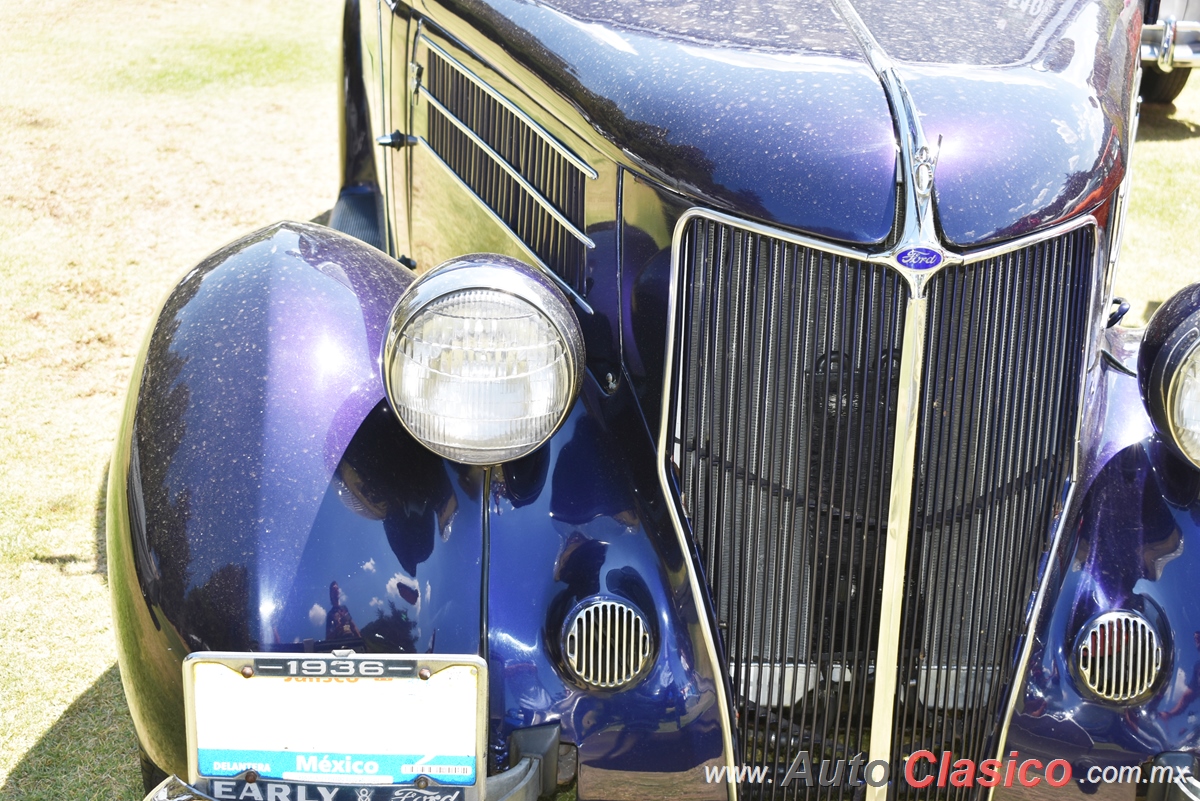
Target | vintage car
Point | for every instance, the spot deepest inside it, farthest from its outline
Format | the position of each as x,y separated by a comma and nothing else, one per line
686,400
1170,47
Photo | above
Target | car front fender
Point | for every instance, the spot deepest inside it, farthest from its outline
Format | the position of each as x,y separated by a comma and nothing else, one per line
231,473
1130,541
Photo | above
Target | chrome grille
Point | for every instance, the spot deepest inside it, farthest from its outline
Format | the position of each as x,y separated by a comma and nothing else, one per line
1003,359
787,368
514,168
607,644
780,426
1119,657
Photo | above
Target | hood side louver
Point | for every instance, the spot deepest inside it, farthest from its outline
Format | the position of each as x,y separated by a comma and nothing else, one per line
515,168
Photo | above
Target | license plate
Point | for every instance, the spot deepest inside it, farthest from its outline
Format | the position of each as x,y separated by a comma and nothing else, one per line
336,719
268,790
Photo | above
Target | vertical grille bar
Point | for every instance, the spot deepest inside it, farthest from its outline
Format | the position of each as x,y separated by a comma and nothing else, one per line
559,182
786,370
1004,350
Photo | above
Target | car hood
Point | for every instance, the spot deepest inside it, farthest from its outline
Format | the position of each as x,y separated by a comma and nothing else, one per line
772,109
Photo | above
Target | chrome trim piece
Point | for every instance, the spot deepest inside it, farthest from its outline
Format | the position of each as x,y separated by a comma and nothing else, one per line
917,158
904,456
1166,49
1035,612
583,166
699,596
533,257
508,168
1043,235
835,249
173,788
1181,50
1172,394
831,248
607,643
1130,658
503,274
389,239
1120,208
239,662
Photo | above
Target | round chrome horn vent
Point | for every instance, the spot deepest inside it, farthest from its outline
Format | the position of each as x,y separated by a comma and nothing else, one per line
1119,656
607,643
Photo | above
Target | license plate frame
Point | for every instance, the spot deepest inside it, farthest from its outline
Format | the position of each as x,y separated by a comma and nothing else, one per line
225,712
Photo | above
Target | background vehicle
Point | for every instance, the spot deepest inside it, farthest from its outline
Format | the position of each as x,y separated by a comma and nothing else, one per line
817,520
1170,48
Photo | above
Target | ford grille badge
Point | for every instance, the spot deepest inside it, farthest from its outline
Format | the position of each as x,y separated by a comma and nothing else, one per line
919,258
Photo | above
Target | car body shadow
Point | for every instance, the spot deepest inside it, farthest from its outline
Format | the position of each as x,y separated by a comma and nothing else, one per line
99,526
89,752
1157,125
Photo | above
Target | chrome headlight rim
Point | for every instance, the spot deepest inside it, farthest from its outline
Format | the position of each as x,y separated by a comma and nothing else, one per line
1170,343
490,272
1192,354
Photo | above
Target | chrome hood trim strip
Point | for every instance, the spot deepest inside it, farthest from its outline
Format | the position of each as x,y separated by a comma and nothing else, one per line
699,596
917,163
904,457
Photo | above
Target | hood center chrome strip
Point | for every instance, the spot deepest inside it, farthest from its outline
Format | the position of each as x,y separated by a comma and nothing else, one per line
918,254
904,456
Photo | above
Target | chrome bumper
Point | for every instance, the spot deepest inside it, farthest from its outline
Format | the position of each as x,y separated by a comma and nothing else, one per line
1171,43
522,782
174,789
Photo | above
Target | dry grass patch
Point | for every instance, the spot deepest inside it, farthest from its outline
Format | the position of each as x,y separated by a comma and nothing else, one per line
138,138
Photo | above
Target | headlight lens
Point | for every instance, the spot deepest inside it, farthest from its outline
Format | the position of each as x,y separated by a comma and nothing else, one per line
483,359
1183,403
1169,372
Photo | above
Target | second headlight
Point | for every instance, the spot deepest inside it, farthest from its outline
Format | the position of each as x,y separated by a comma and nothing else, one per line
1169,371
483,359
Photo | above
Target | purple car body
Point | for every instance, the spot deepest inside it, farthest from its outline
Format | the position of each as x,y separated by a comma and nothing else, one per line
908,215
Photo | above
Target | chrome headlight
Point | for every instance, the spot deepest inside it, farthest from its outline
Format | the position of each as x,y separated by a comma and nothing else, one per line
1169,371
483,359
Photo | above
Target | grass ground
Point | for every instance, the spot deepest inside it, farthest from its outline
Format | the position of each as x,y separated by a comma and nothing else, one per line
136,138
1161,252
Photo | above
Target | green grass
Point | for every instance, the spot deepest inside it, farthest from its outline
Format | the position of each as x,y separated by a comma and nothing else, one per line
86,750
241,61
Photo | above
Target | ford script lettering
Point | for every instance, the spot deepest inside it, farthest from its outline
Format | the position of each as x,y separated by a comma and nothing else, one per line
919,258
